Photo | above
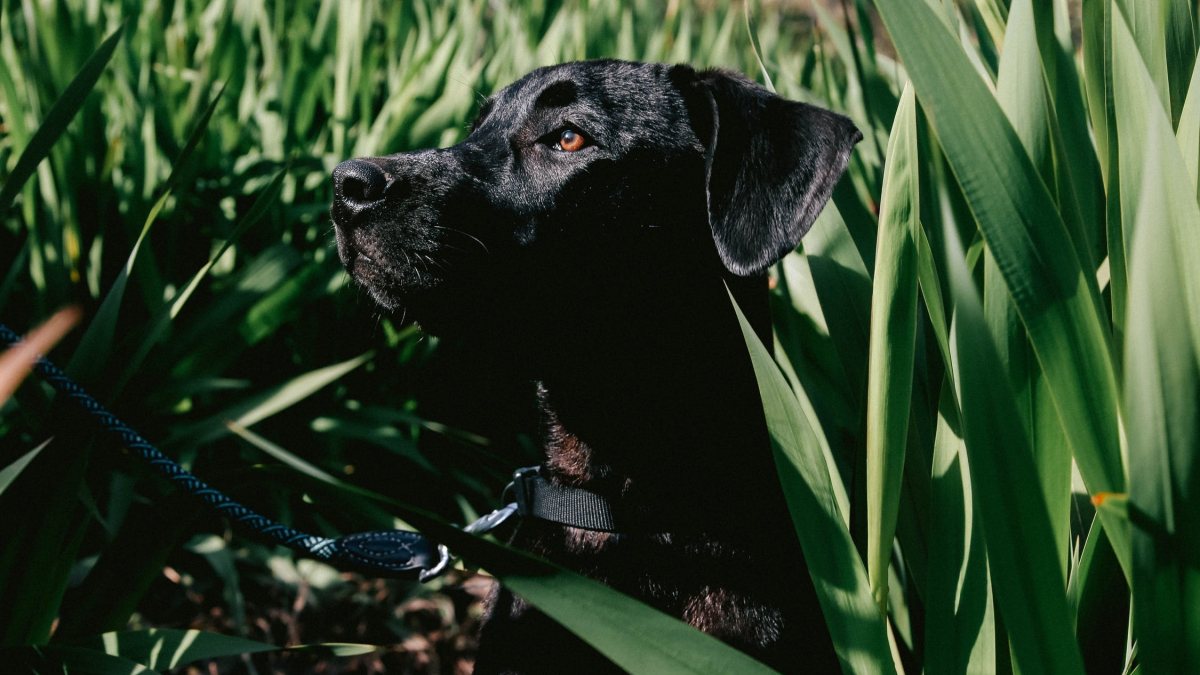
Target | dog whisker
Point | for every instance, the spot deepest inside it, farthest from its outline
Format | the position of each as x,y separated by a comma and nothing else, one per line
476,239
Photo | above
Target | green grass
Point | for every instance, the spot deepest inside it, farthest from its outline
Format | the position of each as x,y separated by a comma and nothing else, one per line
1002,288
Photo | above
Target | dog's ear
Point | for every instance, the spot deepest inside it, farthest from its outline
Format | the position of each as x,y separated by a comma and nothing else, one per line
771,164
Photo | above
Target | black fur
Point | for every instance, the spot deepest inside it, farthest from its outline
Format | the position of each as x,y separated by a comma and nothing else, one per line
602,273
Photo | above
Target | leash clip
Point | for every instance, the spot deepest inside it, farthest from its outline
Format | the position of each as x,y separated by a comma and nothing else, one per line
482,525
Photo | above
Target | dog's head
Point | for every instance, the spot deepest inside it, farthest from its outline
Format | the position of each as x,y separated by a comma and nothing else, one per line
584,175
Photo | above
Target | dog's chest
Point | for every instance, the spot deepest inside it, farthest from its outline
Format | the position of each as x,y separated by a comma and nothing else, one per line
703,582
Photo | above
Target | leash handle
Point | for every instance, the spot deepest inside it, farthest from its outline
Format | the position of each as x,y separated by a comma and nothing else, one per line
384,552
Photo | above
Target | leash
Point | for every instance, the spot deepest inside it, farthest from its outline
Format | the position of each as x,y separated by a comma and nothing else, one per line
391,553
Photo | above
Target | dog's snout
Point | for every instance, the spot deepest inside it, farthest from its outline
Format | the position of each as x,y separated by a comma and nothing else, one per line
358,184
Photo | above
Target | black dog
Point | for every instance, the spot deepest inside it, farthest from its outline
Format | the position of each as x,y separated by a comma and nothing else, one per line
587,229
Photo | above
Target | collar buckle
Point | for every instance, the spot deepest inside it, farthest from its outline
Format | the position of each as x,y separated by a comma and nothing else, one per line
520,491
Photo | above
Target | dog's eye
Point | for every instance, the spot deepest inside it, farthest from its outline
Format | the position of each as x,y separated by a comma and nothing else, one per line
570,141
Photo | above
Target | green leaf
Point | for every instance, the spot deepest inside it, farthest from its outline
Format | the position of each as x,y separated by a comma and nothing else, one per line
1144,21
855,623
1023,95
1162,403
263,405
960,631
168,649
843,286
1099,599
56,121
265,200
1180,47
1080,183
638,638
1188,131
96,344
80,661
1150,153
635,636
336,648
1057,301
893,337
1030,589
1095,46
9,473
995,17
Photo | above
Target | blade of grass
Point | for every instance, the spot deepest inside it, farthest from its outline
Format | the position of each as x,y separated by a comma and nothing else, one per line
855,623
168,649
1100,602
893,337
843,286
9,473
1188,131
263,405
1149,148
92,662
995,16
960,621
1181,51
638,638
1145,23
1030,590
57,119
1023,95
1162,400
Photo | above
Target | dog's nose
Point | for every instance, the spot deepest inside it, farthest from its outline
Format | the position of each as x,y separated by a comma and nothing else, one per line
358,184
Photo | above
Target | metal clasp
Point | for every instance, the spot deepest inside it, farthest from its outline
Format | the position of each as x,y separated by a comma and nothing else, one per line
482,525
518,491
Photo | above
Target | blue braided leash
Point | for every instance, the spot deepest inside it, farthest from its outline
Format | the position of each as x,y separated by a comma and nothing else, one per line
396,553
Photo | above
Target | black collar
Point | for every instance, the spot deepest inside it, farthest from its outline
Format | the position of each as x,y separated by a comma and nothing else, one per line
539,498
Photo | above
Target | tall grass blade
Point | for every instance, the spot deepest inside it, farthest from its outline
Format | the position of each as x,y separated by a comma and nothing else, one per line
1030,591
1095,46
855,623
1162,399
266,404
81,661
57,119
1080,183
1023,94
1099,599
960,620
9,473
1149,149
893,337
96,344
1188,131
168,649
1180,51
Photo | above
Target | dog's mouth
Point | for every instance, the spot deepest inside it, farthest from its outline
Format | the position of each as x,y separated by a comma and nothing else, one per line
430,280
392,274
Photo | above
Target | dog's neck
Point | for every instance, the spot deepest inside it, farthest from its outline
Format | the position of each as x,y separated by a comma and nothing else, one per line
662,411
